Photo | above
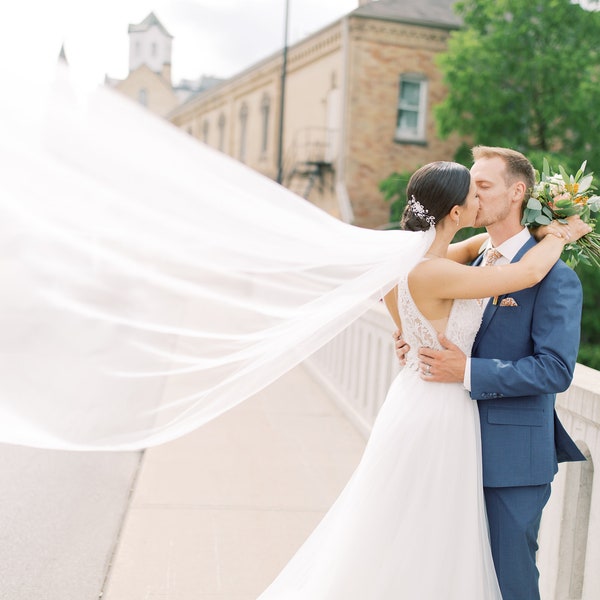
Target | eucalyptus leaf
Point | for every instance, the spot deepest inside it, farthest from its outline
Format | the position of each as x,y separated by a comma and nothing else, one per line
548,212
542,220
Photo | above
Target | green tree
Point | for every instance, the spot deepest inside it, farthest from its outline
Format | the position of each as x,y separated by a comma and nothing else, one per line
524,74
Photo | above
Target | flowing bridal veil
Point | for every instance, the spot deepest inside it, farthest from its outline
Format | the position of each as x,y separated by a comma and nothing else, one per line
131,256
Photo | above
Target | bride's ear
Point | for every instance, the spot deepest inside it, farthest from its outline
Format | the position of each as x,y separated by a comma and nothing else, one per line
454,214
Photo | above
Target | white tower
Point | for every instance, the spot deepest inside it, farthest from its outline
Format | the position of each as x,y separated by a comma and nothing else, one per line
150,45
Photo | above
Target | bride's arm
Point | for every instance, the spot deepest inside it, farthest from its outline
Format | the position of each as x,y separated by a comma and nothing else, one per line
391,303
468,250
443,278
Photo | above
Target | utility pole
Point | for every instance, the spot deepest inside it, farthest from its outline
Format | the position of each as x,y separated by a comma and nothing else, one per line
282,97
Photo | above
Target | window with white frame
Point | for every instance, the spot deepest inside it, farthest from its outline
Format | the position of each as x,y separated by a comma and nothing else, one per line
412,108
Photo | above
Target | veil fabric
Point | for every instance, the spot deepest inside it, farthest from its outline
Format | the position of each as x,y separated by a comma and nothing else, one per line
149,283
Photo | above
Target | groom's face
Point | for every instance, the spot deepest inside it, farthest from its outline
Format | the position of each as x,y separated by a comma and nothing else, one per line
494,193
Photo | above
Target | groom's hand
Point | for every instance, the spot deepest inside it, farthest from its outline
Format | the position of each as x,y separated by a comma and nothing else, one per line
447,365
402,348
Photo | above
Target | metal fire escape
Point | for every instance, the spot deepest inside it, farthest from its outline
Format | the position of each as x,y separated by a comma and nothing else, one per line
310,160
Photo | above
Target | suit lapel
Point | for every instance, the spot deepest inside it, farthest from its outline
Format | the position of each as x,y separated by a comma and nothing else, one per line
491,308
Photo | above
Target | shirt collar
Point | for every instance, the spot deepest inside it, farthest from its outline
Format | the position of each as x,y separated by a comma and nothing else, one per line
512,245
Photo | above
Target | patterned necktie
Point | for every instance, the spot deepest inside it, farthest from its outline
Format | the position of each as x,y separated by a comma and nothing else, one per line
490,257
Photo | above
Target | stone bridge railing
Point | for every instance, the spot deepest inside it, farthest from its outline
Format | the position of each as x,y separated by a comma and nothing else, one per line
357,367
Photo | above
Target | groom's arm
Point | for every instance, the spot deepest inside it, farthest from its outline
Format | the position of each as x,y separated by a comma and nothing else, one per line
549,369
555,333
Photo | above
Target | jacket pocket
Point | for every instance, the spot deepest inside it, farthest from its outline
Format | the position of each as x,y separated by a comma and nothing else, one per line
527,417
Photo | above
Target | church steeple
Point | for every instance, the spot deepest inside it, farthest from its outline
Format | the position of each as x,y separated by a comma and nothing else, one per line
150,45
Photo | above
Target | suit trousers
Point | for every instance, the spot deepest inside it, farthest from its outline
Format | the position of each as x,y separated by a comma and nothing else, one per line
514,515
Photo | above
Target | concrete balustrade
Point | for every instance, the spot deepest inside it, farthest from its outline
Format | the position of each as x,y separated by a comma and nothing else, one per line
357,368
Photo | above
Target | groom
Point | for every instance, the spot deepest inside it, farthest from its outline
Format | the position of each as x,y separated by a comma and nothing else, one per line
524,353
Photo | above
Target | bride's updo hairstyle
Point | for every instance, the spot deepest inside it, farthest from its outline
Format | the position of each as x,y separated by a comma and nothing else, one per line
432,191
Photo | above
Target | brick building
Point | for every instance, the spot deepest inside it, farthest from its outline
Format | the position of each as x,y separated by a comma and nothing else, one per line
359,97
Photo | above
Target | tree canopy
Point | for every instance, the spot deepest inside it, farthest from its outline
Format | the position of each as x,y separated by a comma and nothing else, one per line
525,74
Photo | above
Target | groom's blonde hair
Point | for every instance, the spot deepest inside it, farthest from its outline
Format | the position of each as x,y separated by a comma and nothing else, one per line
518,167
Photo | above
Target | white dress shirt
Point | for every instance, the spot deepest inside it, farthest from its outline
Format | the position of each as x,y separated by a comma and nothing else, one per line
508,249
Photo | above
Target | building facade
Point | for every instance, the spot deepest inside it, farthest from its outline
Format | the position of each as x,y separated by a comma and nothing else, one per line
358,106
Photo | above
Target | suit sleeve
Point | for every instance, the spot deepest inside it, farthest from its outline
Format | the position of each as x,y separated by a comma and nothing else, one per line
555,333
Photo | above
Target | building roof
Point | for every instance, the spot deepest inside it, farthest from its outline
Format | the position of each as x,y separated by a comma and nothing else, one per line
150,21
436,13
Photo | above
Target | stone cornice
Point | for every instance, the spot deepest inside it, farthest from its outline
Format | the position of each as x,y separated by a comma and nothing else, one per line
398,34
315,47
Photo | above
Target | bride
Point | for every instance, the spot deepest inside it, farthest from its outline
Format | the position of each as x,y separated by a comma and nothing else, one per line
411,521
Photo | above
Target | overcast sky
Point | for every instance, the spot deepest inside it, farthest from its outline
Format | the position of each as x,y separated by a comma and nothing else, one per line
211,37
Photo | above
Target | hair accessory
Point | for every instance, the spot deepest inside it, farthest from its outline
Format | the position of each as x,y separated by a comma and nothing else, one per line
420,211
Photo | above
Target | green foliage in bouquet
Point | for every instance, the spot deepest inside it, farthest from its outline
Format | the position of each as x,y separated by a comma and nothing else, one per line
558,195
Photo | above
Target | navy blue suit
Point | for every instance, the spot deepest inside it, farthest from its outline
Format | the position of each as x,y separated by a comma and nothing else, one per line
522,356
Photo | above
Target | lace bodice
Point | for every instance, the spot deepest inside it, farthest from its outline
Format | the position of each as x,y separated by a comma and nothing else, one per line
463,322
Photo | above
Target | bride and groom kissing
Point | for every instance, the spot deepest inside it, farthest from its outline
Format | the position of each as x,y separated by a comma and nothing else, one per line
524,353
447,499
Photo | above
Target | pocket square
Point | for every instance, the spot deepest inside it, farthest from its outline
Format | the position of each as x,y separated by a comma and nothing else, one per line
508,302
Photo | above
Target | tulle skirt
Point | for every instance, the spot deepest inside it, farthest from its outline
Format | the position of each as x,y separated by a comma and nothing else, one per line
411,521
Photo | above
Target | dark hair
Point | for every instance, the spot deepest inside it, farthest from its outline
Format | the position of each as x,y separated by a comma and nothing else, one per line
518,167
432,191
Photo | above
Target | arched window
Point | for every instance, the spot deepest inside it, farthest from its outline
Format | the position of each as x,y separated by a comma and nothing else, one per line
221,126
205,130
143,97
265,109
243,131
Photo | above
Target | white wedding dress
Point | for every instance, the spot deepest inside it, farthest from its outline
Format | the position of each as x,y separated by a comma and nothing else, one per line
411,522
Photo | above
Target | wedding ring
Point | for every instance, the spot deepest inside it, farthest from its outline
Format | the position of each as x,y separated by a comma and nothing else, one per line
427,369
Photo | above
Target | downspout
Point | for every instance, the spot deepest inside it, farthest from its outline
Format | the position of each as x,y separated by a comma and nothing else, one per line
343,199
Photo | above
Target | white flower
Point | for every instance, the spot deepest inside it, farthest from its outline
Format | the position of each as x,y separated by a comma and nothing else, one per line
594,203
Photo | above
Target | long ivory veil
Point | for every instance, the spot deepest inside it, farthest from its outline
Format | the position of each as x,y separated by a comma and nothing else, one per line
149,283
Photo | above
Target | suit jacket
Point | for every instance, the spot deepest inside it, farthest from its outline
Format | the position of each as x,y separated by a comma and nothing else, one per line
524,353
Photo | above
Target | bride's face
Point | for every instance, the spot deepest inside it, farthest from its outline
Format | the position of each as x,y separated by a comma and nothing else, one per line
470,207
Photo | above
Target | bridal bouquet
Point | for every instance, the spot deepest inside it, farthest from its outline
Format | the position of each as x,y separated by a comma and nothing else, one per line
556,196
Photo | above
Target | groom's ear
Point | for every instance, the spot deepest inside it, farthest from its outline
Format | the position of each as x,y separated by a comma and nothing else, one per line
519,189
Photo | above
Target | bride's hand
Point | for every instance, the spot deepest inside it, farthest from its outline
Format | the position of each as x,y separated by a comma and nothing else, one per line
570,231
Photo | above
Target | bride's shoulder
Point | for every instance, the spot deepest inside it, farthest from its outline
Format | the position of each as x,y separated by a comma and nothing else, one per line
428,265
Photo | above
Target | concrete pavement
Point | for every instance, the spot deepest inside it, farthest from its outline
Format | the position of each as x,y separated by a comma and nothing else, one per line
60,515
216,514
